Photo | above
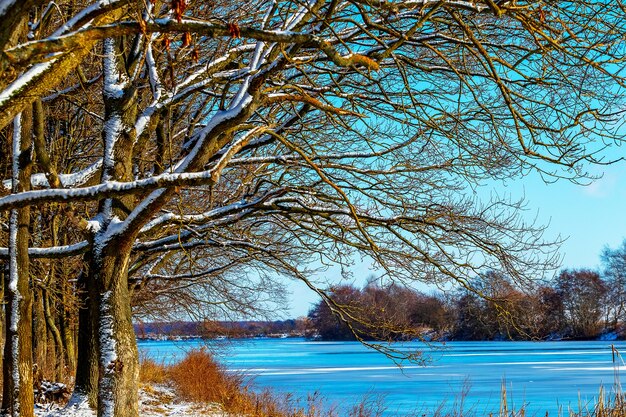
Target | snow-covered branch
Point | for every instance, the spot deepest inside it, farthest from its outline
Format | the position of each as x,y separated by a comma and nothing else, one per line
105,190
53,252
28,51
227,210
191,275
76,179
44,76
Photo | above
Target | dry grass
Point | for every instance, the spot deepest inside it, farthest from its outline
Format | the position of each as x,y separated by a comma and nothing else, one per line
198,378
151,372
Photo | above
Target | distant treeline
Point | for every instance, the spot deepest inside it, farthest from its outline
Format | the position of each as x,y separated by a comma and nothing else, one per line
212,329
579,304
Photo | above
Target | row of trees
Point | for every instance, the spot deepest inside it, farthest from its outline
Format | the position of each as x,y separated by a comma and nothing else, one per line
231,329
576,304
378,312
170,157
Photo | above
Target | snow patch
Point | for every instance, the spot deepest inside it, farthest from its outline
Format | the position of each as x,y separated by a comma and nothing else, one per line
108,357
13,276
107,339
162,400
154,401
113,226
17,144
93,226
78,406
48,392
96,224
114,80
112,129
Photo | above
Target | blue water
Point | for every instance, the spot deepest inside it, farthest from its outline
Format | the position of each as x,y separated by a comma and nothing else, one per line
542,376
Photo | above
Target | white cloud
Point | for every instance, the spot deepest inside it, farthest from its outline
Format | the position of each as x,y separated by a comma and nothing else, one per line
602,187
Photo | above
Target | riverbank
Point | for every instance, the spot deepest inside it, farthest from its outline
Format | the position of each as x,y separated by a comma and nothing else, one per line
197,386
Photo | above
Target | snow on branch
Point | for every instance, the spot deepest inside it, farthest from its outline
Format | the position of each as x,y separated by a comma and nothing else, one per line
220,212
5,5
105,190
205,243
87,14
119,188
52,252
38,50
75,179
53,67
190,275
194,82
185,235
35,50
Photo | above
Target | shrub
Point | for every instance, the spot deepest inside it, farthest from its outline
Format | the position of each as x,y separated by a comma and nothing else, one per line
199,378
151,371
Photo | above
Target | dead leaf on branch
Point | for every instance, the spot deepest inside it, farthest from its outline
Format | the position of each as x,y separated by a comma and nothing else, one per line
234,30
178,7
186,39
304,98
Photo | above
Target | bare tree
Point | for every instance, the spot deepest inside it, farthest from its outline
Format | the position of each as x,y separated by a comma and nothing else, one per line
311,131
583,293
614,274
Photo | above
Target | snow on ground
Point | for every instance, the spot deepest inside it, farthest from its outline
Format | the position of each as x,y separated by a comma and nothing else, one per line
155,401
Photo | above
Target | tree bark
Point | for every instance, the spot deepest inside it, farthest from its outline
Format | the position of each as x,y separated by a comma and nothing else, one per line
40,339
56,335
11,17
87,368
66,320
18,359
68,338
119,359
6,392
41,355
34,87
3,336
66,324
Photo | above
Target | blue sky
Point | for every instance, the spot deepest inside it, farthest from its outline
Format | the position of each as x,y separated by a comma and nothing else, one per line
590,217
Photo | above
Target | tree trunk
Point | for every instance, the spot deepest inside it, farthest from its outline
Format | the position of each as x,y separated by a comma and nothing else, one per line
53,355
5,376
87,368
110,256
18,359
3,275
56,335
40,339
67,332
67,320
119,359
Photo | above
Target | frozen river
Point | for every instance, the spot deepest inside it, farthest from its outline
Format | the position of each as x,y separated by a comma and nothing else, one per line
543,376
